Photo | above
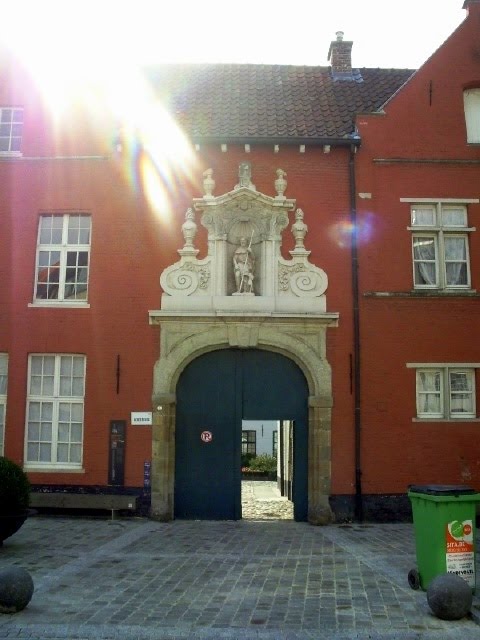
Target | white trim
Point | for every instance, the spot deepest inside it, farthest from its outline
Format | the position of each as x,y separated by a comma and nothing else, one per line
441,200
10,154
459,419
57,304
52,469
436,228
438,365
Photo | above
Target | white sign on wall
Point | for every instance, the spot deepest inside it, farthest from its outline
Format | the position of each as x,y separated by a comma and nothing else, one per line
140,418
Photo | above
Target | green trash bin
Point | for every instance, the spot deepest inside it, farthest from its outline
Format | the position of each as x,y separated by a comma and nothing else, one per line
444,525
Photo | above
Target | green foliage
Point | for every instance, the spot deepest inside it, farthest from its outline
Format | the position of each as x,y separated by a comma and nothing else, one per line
14,488
247,459
264,462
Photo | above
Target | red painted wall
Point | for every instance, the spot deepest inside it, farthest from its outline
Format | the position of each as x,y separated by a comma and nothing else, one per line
425,120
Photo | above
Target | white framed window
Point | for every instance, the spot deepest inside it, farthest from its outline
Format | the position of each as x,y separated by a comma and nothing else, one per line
11,126
63,258
3,398
445,391
440,247
471,103
55,405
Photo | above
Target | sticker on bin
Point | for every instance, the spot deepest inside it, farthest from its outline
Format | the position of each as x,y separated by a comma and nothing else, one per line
460,550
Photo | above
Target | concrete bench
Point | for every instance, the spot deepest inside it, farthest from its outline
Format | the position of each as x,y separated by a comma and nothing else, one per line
65,500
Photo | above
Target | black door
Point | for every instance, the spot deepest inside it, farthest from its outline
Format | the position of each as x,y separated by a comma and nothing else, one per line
214,394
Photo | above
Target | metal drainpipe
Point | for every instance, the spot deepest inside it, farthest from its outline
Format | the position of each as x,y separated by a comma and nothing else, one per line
356,340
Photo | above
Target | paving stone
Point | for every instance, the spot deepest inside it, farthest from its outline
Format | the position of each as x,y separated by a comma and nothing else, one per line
258,578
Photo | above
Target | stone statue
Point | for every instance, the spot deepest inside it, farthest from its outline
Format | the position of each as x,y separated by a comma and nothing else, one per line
245,175
280,183
244,267
208,183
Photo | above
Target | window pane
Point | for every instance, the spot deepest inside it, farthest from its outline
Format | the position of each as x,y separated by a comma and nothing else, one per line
424,256
32,452
45,432
47,411
15,144
423,216
429,393
75,453
79,230
34,411
62,452
471,98
76,433
63,432
455,248
461,392
456,273
454,216
77,412
34,431
45,452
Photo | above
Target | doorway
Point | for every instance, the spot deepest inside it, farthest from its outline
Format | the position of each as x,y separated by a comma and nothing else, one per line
215,394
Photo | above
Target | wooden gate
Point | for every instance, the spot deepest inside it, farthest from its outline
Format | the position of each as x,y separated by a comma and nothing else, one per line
214,394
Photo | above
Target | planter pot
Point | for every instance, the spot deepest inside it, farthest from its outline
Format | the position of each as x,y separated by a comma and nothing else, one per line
10,524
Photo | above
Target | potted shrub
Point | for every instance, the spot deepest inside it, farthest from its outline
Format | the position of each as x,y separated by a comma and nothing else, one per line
14,498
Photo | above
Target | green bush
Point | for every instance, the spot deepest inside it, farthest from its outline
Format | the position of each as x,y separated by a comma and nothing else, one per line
264,462
14,488
247,459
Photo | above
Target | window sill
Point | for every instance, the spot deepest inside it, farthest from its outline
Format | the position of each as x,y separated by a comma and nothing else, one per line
10,154
59,305
424,293
449,420
54,469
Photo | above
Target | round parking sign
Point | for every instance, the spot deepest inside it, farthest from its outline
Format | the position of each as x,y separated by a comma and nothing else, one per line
206,436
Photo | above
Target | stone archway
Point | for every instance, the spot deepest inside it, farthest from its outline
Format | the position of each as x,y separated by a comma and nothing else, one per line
205,307
303,341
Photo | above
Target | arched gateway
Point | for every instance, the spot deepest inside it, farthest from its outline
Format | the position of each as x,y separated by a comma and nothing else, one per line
242,306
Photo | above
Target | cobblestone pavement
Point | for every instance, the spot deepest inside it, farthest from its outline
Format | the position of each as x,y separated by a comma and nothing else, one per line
136,579
261,500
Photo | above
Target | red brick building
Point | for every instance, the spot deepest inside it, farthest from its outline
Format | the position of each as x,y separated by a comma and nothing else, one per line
354,326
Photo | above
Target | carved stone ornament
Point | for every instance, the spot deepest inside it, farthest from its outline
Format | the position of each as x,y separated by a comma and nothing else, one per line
244,270
208,183
280,184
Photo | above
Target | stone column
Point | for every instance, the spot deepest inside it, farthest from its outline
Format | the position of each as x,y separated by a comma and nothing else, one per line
163,458
319,460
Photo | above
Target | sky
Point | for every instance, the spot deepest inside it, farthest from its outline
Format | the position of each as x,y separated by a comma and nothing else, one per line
385,33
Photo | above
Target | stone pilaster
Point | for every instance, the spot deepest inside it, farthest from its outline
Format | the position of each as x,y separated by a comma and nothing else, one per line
319,460
163,458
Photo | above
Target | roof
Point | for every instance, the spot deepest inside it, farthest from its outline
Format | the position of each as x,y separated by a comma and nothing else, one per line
259,102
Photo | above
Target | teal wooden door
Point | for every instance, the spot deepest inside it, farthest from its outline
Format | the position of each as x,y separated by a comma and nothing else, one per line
214,394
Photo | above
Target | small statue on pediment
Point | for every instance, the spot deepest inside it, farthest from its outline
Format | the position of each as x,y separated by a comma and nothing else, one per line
245,176
208,183
299,230
280,184
189,228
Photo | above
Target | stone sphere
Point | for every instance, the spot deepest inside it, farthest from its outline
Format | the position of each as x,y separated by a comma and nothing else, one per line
449,597
16,589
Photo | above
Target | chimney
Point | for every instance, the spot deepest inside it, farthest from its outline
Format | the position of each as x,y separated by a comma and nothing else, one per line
340,53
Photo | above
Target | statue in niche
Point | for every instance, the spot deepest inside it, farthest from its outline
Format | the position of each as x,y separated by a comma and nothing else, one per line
244,267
